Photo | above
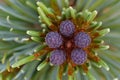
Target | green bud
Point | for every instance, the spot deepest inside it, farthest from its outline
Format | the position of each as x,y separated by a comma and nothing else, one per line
97,25
23,61
33,33
103,47
41,65
72,12
94,23
67,13
104,65
104,31
44,8
98,41
92,16
44,17
86,14
37,39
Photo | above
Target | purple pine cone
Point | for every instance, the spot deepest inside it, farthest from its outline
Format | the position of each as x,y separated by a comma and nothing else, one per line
82,40
67,28
53,39
57,57
78,56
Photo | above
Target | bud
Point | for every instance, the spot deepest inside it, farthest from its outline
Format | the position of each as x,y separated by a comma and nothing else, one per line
67,28
82,40
54,39
78,56
57,57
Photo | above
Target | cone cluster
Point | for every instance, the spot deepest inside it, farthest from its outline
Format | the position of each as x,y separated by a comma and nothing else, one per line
67,41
